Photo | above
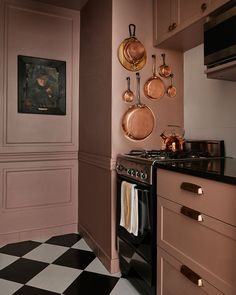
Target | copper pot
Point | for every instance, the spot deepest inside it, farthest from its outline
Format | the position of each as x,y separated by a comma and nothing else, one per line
173,138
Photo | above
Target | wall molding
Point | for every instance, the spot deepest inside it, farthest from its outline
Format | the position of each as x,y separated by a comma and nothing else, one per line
100,161
37,156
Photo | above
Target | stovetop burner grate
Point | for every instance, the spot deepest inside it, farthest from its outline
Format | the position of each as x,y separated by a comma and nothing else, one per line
167,154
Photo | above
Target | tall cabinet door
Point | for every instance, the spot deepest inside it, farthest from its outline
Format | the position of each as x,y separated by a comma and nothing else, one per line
165,16
188,10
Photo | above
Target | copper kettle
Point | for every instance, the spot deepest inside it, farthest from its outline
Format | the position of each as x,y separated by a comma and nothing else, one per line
173,138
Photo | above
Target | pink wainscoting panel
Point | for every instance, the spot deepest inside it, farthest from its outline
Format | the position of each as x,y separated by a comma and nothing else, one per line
30,188
36,196
38,30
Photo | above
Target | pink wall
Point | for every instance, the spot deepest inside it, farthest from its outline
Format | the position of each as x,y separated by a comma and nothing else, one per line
38,153
95,127
166,110
102,82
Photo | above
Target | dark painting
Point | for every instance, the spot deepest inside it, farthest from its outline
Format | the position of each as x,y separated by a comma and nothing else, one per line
41,86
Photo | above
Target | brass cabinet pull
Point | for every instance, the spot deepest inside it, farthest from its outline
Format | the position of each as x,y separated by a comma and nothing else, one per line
191,275
203,7
191,187
172,27
193,214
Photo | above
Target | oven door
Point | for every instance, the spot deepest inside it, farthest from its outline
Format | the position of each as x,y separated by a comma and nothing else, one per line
137,254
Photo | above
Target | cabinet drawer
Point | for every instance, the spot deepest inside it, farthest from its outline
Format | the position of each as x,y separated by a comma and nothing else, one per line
171,281
210,243
218,199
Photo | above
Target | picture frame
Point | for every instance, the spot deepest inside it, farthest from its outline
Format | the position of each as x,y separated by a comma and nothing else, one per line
41,86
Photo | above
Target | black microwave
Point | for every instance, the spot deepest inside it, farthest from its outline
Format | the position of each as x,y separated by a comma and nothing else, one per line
220,36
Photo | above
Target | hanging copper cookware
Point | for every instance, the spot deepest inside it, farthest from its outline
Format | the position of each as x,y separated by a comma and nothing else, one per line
128,95
164,70
171,90
138,121
154,87
131,52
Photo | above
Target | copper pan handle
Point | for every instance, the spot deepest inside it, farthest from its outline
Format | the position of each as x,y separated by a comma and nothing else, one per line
138,88
154,70
132,29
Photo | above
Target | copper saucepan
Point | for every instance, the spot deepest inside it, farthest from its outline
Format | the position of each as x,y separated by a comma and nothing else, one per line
131,52
154,87
138,121
171,90
128,95
164,70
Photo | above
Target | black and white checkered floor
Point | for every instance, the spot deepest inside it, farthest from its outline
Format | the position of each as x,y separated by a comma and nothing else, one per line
60,265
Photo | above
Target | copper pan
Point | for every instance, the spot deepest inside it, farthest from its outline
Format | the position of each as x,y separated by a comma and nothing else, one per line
138,121
164,71
128,95
131,52
154,87
171,90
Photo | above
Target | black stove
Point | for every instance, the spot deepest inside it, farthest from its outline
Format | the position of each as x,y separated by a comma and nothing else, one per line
138,164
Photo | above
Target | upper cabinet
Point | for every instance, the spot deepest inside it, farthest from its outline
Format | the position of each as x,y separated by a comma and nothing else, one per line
178,24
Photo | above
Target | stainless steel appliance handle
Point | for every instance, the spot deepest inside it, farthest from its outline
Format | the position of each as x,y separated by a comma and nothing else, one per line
192,187
193,214
191,275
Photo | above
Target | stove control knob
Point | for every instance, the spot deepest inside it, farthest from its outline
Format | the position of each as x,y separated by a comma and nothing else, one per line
120,168
129,171
132,172
138,174
143,175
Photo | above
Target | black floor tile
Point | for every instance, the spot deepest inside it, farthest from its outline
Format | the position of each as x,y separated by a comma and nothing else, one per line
19,249
65,240
75,258
27,290
92,283
22,270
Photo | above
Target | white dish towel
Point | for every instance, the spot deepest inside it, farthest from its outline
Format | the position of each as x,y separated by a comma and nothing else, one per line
129,207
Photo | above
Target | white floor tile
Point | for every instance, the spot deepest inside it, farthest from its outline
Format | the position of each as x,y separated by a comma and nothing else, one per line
46,253
97,267
5,260
124,287
55,278
82,245
8,287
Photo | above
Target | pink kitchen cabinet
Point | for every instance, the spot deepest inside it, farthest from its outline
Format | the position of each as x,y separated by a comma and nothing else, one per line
197,230
178,24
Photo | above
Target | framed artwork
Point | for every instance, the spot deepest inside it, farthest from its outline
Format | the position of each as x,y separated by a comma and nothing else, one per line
41,86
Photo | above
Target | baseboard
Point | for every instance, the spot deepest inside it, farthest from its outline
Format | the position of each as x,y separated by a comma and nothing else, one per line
41,233
112,265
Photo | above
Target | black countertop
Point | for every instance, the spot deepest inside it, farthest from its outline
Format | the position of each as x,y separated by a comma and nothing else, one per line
223,170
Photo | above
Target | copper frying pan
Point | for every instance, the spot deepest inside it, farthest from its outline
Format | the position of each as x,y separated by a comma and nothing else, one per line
154,87
131,52
138,121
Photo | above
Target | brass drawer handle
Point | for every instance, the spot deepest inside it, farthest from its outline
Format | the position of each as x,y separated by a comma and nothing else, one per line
193,214
191,275
191,187
203,7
